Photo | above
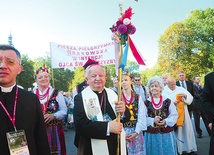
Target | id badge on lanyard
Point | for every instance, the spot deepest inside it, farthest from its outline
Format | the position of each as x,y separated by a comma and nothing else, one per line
17,141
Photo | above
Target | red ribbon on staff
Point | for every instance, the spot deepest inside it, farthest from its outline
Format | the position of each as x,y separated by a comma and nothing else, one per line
135,52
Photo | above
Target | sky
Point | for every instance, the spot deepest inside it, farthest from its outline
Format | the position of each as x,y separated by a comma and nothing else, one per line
35,23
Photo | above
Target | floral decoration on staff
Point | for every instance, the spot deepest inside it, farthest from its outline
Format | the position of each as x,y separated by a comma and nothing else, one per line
123,27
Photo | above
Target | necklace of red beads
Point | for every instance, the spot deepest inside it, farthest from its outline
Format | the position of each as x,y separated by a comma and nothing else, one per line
42,97
157,105
128,102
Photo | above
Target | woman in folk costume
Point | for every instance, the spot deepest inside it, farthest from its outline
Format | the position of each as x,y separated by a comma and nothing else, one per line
54,110
137,123
161,117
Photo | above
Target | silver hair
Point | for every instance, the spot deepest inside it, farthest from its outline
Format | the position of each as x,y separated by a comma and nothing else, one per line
164,75
155,79
89,69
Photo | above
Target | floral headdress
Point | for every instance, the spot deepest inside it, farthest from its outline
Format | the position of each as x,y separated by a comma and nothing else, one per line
123,27
42,69
127,74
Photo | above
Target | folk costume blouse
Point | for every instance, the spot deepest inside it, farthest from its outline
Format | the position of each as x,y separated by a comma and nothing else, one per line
62,108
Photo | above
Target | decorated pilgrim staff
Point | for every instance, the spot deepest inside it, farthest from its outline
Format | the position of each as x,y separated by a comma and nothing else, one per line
121,31
95,111
161,117
54,110
19,109
137,124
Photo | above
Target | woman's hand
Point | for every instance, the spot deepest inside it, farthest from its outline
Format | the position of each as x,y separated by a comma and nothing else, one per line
48,117
157,119
131,137
162,122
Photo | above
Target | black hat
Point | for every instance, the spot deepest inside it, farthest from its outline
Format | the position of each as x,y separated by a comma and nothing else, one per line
90,62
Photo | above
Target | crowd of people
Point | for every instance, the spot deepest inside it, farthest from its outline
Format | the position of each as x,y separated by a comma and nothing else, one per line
152,119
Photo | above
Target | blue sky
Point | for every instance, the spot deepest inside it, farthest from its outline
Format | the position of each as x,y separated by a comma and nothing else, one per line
35,23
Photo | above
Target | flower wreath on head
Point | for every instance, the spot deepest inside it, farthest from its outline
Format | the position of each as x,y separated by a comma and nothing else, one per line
123,27
42,69
128,74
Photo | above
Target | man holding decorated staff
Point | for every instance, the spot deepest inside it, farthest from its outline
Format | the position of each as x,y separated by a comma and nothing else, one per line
95,112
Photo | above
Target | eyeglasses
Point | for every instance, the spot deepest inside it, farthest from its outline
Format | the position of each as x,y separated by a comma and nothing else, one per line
137,79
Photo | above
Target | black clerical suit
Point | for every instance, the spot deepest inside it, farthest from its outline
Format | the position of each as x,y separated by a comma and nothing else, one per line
208,103
87,129
29,117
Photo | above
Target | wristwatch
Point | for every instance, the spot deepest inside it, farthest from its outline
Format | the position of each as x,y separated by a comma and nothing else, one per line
54,116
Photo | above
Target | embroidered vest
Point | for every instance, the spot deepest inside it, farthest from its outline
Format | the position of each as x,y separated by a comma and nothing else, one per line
163,112
133,108
53,105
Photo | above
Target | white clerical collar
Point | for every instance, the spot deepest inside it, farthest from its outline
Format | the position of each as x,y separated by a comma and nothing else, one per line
8,89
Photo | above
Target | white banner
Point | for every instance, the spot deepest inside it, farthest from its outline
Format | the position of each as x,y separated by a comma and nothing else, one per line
66,56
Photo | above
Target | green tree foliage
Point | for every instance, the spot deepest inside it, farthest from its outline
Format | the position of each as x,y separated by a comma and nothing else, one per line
62,78
79,77
132,67
26,77
201,23
174,50
148,73
40,61
109,82
188,46
112,70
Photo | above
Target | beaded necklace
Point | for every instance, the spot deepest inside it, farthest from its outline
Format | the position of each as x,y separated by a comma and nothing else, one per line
157,105
42,97
128,102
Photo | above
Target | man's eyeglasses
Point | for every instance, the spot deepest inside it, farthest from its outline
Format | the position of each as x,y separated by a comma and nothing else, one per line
137,79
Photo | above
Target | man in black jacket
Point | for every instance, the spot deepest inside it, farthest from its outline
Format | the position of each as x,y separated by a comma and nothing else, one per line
20,110
198,110
187,85
208,103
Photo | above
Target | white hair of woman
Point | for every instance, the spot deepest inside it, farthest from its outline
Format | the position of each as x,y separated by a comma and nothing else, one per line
155,79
